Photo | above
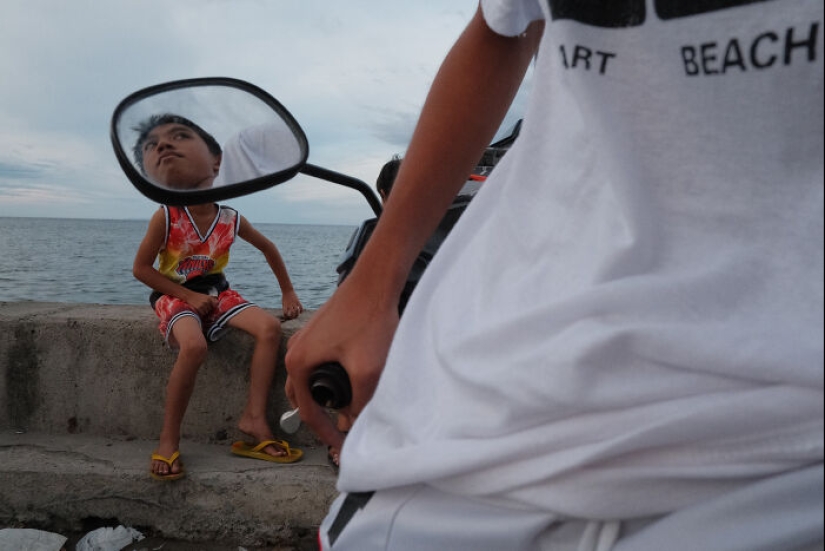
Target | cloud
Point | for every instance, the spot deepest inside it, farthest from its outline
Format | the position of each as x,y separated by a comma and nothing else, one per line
12,171
354,74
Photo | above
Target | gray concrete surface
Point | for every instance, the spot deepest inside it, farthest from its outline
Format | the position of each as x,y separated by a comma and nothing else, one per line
81,394
93,369
66,482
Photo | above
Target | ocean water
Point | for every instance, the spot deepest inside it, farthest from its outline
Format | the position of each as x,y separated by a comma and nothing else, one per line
90,261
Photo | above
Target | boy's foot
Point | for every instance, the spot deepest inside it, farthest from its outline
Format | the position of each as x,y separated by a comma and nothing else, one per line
274,448
166,468
256,451
334,454
334,458
260,432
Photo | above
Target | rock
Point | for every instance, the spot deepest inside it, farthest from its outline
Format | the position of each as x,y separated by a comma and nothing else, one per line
27,539
108,539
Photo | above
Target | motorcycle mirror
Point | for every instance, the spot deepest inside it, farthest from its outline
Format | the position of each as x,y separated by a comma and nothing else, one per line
255,140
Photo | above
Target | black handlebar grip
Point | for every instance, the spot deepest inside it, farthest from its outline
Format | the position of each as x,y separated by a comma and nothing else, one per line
330,386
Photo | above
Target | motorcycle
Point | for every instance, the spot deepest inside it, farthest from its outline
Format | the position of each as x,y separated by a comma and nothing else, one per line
263,146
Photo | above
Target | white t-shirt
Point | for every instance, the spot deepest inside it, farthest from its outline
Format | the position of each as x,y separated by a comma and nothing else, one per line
629,316
258,151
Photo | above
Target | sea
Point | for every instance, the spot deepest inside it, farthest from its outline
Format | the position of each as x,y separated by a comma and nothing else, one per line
90,261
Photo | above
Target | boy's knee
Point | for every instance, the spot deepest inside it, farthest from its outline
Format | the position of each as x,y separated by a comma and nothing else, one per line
271,329
193,347
266,329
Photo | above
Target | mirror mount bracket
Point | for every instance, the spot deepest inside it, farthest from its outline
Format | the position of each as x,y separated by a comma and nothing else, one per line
346,181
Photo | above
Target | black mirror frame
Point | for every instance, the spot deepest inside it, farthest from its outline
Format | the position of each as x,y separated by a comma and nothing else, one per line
171,197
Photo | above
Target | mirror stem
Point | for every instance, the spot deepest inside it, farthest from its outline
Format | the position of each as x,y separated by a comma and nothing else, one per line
347,181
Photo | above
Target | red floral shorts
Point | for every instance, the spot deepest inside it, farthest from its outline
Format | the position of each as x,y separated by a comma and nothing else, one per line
214,325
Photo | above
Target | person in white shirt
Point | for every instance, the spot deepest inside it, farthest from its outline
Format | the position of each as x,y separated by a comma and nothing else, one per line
620,343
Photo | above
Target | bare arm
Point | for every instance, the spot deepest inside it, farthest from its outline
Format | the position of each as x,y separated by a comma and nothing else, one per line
292,307
452,133
355,327
144,270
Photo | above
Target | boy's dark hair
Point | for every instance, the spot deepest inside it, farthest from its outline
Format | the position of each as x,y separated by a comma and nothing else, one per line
143,128
386,178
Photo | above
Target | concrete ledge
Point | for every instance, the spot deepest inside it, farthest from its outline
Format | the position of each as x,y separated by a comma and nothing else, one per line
102,370
81,406
62,482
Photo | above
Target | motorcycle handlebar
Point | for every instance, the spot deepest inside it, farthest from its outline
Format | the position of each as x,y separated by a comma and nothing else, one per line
330,386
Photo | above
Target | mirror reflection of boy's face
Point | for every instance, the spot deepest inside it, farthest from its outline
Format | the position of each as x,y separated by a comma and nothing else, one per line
176,156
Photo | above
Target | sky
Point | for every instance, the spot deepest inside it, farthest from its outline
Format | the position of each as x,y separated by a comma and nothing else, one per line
354,74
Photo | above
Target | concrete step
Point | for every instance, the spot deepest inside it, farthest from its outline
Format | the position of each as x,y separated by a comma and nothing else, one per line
81,406
64,482
102,370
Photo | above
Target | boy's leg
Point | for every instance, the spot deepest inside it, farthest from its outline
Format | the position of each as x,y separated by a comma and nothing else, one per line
187,335
266,330
343,424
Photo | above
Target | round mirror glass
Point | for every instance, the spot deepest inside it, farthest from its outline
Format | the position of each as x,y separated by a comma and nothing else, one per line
202,140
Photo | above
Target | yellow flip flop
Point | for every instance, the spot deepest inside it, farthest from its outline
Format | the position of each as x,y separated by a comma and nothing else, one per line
256,451
168,460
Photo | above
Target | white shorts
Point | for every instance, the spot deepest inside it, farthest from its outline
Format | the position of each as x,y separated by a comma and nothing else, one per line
781,513
422,518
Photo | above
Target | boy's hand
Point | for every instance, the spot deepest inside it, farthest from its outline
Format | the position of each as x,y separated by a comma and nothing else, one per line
200,303
292,307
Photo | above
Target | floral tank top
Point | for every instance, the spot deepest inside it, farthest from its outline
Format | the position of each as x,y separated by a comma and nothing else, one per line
188,254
